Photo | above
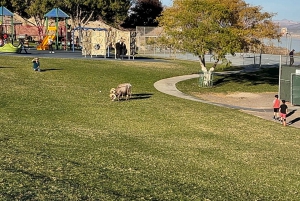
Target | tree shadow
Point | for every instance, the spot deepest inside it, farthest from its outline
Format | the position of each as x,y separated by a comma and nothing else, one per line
264,76
219,81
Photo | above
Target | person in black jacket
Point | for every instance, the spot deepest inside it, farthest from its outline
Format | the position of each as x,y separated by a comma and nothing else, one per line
291,54
123,50
118,50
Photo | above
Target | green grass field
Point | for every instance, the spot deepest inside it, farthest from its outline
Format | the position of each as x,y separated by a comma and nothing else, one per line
264,81
61,139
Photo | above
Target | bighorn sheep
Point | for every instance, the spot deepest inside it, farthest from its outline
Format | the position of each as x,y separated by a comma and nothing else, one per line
121,90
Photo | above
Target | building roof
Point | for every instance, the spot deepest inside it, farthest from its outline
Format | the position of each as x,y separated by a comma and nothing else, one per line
56,12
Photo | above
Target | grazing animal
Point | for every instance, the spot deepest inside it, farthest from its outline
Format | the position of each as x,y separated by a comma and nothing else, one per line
112,96
121,91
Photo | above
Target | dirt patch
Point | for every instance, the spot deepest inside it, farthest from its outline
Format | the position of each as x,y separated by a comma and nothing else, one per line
243,99
262,101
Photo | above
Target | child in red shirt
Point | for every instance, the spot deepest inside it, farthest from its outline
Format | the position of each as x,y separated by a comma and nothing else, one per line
276,105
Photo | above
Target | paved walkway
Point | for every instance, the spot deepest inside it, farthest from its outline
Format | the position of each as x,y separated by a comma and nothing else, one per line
168,86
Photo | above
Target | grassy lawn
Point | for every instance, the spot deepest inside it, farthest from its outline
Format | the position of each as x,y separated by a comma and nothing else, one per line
266,80
62,139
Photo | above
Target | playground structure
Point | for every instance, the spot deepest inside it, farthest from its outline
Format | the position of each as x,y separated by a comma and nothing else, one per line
8,47
5,40
100,41
91,41
52,31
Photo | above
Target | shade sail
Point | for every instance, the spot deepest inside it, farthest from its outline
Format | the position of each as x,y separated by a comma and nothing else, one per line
56,12
5,12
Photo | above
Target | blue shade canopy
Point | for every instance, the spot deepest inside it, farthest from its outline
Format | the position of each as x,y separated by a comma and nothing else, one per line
5,12
56,12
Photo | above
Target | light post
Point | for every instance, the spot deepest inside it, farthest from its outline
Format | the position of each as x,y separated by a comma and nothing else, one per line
288,45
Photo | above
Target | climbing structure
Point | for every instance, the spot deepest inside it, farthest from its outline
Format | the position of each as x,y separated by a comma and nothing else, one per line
52,31
5,12
94,41
99,41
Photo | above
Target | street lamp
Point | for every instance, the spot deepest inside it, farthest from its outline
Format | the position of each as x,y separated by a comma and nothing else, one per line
288,44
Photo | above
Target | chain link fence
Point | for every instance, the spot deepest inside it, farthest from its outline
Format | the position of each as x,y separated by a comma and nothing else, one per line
146,45
146,41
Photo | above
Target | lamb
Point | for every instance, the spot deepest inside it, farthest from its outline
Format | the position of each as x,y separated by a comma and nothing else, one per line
121,90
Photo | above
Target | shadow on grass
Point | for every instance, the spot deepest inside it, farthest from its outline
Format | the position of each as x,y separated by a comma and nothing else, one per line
6,67
141,96
149,59
51,69
264,76
30,174
138,96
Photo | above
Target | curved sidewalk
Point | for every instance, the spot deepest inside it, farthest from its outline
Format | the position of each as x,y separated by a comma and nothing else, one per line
168,86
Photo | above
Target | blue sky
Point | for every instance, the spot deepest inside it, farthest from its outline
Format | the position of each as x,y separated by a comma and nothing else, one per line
285,9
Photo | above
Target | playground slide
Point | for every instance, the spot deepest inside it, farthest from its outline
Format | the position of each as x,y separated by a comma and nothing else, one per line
9,48
44,44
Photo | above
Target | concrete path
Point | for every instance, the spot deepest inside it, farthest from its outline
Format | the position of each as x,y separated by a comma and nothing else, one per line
168,86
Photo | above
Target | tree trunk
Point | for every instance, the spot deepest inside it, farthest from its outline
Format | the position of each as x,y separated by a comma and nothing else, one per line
207,79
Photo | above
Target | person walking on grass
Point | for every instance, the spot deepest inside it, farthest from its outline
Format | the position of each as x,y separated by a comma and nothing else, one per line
276,105
283,111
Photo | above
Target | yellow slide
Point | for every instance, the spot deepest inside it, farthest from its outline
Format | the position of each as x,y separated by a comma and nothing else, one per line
44,44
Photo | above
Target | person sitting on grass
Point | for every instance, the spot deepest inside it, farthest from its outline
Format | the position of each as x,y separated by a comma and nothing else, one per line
36,64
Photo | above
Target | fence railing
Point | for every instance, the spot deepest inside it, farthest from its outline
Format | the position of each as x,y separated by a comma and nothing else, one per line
206,79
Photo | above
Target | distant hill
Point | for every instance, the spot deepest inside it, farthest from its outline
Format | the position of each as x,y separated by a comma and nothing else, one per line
292,26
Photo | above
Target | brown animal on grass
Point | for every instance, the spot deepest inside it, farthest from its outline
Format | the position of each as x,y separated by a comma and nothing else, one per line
122,90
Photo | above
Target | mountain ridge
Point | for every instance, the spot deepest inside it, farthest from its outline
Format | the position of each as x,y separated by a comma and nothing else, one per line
292,26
